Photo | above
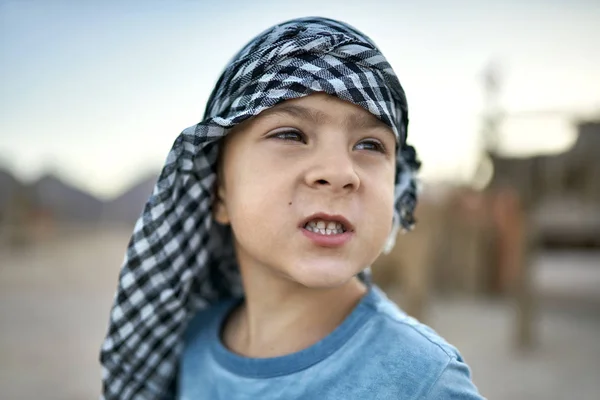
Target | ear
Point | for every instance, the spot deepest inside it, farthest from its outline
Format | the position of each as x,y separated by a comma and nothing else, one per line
220,213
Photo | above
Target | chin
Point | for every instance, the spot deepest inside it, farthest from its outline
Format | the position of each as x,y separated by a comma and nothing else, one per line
322,275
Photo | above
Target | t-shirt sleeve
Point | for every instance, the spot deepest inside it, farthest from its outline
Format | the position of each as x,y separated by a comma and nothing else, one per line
454,383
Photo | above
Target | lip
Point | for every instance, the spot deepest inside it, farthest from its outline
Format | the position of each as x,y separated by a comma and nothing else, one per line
328,240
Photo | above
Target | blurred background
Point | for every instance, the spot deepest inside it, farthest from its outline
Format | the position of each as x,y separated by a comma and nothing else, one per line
505,114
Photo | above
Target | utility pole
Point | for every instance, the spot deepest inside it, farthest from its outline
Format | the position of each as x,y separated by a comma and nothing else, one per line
522,285
493,113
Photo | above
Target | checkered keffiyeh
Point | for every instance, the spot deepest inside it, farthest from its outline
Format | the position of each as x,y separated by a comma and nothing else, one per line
178,260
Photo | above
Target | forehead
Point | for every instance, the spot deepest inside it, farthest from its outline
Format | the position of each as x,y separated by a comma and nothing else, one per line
322,108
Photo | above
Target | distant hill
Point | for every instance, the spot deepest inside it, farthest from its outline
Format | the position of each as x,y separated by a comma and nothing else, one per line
8,187
129,205
65,202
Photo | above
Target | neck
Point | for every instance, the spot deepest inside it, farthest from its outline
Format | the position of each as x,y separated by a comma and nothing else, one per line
281,317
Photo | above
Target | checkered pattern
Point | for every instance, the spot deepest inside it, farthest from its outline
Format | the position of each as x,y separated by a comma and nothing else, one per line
179,261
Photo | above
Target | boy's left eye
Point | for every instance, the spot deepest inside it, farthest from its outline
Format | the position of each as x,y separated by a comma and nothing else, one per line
371,145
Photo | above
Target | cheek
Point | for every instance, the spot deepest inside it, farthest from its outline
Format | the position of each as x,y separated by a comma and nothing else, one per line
381,208
381,185
258,202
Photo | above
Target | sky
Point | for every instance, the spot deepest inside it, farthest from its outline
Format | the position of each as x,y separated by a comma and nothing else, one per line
97,91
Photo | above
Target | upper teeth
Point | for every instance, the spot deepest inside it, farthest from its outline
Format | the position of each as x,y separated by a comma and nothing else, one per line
325,227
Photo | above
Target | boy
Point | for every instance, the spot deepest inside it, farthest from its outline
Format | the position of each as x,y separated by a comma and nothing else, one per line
246,276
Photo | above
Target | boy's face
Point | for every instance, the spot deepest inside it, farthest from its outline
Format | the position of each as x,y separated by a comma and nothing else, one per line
296,170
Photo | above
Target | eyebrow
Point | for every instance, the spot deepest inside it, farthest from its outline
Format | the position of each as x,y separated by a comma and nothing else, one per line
354,121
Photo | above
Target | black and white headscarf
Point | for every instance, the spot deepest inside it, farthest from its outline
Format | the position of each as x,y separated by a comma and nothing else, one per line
178,260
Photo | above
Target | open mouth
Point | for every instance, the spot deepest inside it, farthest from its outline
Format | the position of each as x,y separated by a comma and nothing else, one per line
327,225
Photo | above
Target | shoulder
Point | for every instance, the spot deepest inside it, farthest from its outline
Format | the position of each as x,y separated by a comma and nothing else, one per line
405,333
414,355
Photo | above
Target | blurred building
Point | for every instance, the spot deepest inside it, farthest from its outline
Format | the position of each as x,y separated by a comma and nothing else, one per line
483,241
561,192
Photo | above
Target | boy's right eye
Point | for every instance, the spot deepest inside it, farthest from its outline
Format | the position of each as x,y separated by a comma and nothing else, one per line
294,136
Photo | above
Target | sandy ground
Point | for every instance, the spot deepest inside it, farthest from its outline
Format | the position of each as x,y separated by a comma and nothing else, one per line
55,298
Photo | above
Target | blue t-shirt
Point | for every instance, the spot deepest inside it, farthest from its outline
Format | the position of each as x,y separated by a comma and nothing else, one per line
378,352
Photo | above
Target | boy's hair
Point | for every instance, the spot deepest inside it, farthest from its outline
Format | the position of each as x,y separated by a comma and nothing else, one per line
178,260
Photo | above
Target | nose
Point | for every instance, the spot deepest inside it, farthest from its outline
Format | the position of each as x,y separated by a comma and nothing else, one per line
334,171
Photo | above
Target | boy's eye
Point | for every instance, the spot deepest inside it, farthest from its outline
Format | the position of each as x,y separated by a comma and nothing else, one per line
371,145
293,136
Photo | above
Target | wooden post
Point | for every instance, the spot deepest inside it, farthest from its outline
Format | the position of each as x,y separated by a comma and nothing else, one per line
523,289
